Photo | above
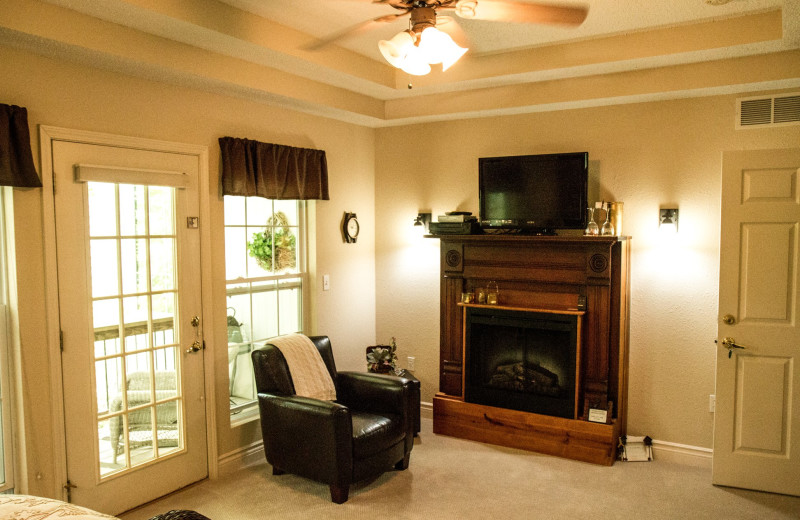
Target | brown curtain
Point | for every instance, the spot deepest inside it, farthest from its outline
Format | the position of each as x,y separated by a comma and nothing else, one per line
272,171
16,159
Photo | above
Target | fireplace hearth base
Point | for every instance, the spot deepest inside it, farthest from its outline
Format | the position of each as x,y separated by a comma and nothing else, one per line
572,439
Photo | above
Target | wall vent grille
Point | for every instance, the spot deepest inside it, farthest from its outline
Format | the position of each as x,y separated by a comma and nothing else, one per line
768,111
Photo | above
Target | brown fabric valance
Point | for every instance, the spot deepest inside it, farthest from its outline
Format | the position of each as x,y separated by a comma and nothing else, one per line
273,171
16,159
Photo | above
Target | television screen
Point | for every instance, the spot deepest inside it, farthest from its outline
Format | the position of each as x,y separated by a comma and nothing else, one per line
538,193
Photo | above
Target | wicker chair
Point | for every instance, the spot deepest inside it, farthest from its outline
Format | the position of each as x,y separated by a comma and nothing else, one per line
180,514
139,428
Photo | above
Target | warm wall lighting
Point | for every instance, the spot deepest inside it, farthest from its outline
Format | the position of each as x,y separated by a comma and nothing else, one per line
668,220
415,52
423,219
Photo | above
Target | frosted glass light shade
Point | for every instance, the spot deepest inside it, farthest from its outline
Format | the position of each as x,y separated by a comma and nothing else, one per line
439,47
396,49
415,62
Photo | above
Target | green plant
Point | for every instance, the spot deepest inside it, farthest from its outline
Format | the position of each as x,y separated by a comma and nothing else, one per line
382,358
276,239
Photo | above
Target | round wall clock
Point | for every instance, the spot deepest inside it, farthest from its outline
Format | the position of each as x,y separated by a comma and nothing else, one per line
350,227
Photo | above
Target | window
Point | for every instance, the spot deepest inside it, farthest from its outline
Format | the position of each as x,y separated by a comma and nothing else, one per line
265,272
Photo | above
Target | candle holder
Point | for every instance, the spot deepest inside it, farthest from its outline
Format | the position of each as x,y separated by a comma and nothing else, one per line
492,293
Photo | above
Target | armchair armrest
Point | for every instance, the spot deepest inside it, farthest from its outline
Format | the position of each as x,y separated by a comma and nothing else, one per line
323,428
374,393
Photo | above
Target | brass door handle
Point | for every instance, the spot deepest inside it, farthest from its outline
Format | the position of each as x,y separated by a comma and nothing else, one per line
194,347
730,344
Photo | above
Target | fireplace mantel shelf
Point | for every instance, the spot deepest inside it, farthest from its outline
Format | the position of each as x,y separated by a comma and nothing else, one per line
551,310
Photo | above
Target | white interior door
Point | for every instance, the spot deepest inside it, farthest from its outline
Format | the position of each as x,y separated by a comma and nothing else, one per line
757,421
129,288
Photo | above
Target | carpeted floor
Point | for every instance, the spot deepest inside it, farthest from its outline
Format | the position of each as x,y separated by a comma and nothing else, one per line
456,479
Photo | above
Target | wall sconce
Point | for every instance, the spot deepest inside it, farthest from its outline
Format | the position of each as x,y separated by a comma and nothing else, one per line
668,220
423,219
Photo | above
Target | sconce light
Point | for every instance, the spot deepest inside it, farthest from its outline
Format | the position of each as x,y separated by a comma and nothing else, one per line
423,219
668,220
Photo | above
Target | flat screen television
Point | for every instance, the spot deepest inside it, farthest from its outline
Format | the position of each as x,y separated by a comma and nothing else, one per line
534,193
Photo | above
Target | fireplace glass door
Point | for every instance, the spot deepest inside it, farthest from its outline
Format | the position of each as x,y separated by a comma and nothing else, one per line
522,360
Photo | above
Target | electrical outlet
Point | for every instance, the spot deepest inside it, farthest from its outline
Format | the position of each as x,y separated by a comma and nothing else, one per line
326,282
712,403
410,362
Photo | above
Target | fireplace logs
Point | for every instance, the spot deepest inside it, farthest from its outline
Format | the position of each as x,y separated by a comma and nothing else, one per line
533,379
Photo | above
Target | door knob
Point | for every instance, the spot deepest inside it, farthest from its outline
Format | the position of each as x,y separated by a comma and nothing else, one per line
728,319
194,347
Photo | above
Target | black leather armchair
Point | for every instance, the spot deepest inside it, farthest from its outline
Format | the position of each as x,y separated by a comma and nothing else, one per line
363,433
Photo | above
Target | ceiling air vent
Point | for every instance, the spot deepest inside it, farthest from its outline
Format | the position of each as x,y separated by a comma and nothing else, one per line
768,111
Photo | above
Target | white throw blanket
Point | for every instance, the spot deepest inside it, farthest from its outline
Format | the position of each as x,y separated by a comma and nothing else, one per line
309,373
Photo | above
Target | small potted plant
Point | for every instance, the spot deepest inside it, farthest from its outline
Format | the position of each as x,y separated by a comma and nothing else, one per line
382,359
281,243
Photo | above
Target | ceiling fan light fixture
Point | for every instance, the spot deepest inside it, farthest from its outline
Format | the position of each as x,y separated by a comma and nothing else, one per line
415,63
397,48
439,47
454,53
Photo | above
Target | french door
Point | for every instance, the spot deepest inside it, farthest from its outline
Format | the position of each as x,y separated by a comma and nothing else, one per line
757,419
129,303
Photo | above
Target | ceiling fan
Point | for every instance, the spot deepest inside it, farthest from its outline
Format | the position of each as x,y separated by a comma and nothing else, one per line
423,44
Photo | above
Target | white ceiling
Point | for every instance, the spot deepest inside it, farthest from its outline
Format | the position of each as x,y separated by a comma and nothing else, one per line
606,17
625,51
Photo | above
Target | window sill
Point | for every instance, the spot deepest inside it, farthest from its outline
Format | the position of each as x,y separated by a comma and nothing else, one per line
244,416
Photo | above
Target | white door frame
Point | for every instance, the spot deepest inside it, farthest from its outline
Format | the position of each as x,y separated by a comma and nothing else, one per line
48,134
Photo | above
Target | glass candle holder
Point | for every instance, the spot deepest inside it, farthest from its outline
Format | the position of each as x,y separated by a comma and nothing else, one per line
492,293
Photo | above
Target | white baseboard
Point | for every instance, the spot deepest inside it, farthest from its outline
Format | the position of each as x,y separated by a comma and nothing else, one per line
682,454
662,450
426,410
240,458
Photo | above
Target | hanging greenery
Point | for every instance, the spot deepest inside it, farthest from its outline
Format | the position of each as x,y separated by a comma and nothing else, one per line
278,234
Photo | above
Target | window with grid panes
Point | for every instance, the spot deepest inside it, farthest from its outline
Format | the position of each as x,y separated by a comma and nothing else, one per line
265,272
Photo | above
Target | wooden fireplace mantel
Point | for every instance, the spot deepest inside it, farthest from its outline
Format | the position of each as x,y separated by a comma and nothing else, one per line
588,276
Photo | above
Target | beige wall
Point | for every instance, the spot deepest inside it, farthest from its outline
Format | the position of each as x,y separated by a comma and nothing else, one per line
79,97
646,155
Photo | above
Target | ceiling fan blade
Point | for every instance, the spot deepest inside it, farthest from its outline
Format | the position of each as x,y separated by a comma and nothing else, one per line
507,11
354,30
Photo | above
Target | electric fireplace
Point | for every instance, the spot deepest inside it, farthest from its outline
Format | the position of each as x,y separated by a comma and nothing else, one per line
521,360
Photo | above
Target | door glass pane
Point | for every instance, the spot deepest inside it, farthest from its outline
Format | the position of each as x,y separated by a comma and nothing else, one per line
104,267
105,316
165,359
134,265
137,415
162,211
164,319
140,435
168,431
132,208
111,444
162,262
102,203
108,381
135,317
